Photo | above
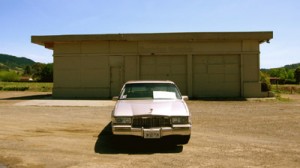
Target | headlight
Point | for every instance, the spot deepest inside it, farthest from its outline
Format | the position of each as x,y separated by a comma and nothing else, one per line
122,120
180,120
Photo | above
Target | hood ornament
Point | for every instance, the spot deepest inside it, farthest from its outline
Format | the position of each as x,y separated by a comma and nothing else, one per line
151,110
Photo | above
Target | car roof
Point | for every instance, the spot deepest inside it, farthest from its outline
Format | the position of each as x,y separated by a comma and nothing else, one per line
150,81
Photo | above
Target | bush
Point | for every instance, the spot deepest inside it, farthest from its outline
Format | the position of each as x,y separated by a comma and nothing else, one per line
265,87
15,88
9,76
290,81
265,82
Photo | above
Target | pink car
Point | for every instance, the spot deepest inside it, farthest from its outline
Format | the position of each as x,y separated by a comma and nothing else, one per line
152,110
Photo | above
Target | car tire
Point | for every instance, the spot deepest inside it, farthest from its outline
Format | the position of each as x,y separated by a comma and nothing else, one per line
177,139
183,139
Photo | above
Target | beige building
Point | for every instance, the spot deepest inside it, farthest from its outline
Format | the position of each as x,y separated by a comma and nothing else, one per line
203,64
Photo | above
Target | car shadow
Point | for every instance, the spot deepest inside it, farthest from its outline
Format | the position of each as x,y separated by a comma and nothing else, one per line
107,143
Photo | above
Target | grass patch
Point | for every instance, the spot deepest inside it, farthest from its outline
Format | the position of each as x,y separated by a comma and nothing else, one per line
29,86
286,89
282,99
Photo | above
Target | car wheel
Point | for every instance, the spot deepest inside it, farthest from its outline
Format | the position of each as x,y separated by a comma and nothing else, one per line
183,139
177,139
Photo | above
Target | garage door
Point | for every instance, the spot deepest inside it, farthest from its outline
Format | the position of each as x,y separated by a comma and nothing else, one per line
165,68
216,76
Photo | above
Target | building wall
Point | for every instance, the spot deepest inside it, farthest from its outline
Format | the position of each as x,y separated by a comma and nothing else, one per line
200,69
78,74
250,69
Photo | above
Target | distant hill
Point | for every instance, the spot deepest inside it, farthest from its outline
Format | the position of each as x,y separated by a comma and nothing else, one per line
292,66
12,62
288,67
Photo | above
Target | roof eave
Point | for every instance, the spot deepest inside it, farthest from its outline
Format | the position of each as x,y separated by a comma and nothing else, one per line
48,41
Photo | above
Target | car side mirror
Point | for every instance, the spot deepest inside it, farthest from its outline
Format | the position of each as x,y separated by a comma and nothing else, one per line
115,98
185,98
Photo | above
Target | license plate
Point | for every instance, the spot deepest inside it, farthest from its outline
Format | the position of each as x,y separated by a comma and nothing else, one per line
152,134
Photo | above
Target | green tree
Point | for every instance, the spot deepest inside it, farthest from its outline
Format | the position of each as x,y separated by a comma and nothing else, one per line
282,73
37,70
290,74
27,70
274,72
47,73
297,75
42,72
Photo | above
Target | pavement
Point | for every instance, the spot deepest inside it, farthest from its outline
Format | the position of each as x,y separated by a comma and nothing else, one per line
87,103
79,103
29,98
45,99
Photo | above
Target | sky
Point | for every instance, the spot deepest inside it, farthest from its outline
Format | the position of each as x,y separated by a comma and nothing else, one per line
20,19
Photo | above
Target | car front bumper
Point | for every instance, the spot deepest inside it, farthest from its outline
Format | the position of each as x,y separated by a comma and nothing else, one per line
183,129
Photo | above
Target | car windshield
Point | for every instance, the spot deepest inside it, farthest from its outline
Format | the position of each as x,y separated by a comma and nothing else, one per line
150,91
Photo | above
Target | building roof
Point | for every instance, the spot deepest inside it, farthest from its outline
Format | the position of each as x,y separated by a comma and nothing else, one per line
49,40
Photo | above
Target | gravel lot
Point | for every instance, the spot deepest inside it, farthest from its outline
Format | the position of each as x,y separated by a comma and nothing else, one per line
253,133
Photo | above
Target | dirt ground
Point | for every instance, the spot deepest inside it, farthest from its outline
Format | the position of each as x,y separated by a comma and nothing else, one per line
232,133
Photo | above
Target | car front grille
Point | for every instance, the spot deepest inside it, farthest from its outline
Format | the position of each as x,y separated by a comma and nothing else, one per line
150,122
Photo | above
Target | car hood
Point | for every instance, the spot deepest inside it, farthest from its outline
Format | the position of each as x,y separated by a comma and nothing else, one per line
151,107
